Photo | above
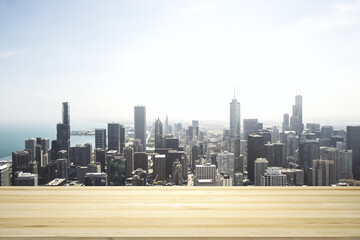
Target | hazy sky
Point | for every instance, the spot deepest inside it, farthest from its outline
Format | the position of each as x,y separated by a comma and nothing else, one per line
180,58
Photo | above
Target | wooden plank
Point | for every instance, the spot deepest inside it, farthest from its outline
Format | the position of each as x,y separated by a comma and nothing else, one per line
179,212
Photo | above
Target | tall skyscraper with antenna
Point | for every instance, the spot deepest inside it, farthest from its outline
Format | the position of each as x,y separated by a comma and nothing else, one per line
235,131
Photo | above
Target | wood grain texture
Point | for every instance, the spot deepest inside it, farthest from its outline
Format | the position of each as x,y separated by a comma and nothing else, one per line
179,212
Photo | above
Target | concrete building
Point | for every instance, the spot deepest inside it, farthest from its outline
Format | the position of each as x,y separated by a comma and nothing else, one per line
141,161
177,176
294,177
81,171
353,143
261,164
100,138
30,145
129,160
5,171
239,179
255,150
80,155
20,162
323,172
25,179
159,167
226,163
346,160
309,150
100,157
114,136
273,177
251,126
140,124
96,179
206,171
223,179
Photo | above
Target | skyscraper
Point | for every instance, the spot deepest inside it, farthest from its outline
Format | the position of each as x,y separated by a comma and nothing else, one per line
100,138
323,172
20,162
255,150
195,129
140,124
353,143
285,124
122,138
296,120
166,125
226,163
114,136
261,164
30,144
158,133
63,130
235,127
251,126
309,150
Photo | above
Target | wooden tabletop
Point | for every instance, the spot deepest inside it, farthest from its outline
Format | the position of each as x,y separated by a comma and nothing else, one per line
179,212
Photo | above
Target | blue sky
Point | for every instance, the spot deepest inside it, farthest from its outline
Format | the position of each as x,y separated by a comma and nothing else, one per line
180,58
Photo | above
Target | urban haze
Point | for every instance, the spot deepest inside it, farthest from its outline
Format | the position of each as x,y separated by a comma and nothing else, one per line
185,93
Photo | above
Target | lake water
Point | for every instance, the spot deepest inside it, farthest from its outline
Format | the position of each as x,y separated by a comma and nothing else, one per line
13,138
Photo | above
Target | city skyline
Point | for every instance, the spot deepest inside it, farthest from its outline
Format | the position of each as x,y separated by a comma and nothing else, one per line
169,55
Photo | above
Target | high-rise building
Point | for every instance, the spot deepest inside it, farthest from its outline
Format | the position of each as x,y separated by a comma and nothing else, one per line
5,174
159,167
223,179
226,163
30,145
129,160
100,138
122,139
158,133
346,160
63,130
309,150
114,136
166,125
261,164
251,126
207,171
273,177
279,155
140,124
195,129
285,123
96,179
141,160
255,150
80,155
25,179
177,176
235,134
327,131
323,172
353,143
20,162
296,120
100,157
